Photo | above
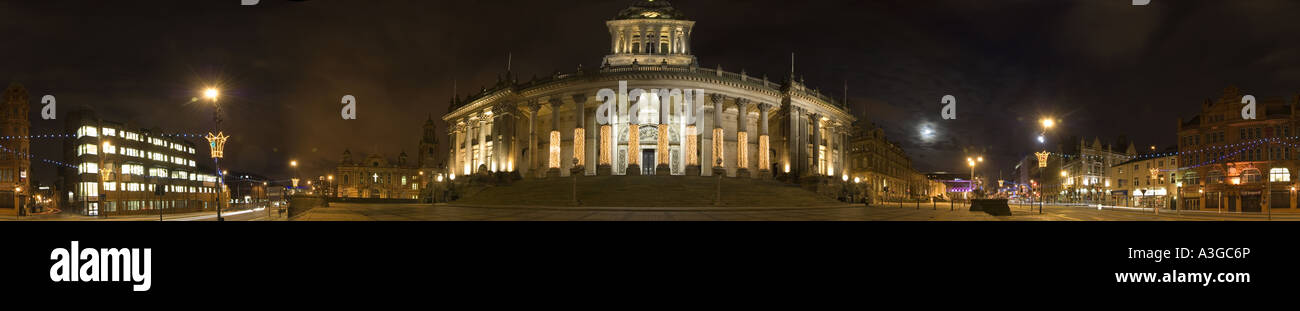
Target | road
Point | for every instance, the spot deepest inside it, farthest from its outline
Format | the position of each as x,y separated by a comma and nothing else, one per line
885,211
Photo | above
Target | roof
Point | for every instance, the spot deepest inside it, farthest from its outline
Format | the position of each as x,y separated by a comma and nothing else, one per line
650,9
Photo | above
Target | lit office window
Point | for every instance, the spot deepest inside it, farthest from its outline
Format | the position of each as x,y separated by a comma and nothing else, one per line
1279,174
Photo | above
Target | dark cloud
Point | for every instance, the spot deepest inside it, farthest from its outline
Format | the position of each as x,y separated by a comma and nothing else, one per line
1107,68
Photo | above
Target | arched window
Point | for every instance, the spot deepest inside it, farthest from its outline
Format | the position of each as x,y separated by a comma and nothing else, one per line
1279,174
663,48
636,48
1251,176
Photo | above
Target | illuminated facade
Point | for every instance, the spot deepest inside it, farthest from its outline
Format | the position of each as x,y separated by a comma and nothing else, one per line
650,109
120,166
15,167
1232,164
883,168
1149,180
1087,167
375,177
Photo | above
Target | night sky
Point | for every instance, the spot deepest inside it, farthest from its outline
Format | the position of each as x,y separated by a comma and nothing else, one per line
1106,67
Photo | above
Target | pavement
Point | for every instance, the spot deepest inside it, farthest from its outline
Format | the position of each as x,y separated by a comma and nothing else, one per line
239,214
888,211
884,211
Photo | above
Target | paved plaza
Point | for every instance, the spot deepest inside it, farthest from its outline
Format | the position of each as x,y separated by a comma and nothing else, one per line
882,212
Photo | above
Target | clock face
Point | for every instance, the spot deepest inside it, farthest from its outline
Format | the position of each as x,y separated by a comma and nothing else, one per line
650,14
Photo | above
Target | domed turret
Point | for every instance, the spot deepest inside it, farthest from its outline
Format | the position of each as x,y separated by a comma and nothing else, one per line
650,9
650,32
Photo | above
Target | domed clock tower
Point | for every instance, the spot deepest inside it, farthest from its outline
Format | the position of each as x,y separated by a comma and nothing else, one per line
650,33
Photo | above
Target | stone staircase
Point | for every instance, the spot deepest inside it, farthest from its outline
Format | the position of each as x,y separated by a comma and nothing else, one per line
648,191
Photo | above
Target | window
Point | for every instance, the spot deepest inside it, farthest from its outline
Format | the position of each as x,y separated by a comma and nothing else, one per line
87,131
88,168
1279,174
1251,176
1190,178
108,131
1215,177
87,149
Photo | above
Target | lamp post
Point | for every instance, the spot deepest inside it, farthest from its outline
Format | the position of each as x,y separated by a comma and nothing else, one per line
1178,189
971,162
1047,123
1065,176
437,187
718,170
294,164
573,171
217,143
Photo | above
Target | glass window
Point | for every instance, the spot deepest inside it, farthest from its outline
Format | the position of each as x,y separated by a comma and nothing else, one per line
87,131
1251,176
1279,174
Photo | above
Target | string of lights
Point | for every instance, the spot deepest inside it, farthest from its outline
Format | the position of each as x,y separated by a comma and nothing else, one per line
75,136
31,156
1251,142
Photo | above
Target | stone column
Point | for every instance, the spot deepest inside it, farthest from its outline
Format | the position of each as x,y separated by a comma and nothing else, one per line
719,136
580,131
494,162
553,160
691,147
534,169
793,147
830,167
816,143
505,113
633,167
845,168
663,154
480,161
605,165
764,157
453,144
468,152
742,138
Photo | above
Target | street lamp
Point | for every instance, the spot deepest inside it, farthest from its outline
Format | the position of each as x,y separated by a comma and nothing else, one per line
294,165
217,144
1064,177
971,162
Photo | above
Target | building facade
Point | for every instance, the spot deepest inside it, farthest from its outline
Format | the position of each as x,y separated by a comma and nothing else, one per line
15,166
650,109
375,177
120,168
883,167
1148,180
1240,165
1084,170
246,188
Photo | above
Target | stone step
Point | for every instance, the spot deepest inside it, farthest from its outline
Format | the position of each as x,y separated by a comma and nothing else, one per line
666,191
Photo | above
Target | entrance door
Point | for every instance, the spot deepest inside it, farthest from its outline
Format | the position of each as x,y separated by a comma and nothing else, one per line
648,162
1250,203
